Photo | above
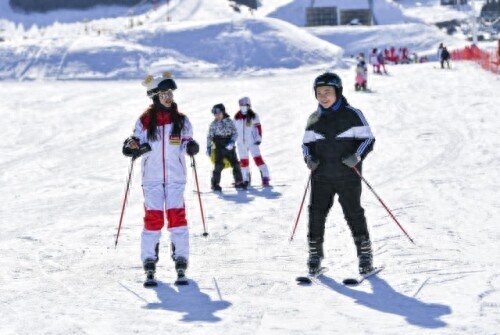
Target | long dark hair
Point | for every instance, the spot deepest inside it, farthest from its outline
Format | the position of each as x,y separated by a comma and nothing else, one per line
151,114
250,114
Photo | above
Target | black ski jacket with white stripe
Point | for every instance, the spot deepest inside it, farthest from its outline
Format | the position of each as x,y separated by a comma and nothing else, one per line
333,134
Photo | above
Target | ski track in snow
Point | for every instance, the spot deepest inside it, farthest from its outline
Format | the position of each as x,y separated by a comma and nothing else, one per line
434,163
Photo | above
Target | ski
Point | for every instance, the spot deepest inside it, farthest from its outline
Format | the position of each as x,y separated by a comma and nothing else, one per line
358,280
310,277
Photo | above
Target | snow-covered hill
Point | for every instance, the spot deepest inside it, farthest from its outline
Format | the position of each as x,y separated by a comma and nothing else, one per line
434,163
195,39
191,49
417,37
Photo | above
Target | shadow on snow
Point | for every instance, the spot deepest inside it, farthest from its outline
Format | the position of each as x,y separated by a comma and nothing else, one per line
195,305
385,299
250,194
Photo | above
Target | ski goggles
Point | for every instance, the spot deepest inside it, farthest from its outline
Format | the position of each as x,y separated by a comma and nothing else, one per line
166,94
216,110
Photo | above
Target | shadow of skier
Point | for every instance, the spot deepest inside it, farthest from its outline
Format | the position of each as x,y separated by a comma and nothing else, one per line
385,299
266,192
239,197
195,305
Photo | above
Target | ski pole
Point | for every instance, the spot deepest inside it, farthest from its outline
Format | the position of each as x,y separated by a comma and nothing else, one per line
131,168
301,205
383,204
193,164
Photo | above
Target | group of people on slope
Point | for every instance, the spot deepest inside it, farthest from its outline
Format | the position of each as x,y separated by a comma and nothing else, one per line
378,61
336,141
245,134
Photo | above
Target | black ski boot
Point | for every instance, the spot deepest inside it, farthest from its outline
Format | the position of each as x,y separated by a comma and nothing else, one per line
314,264
150,270
240,185
181,265
365,255
214,182
315,256
216,188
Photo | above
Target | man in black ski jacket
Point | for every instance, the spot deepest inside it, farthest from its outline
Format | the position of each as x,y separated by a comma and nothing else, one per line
336,140
445,57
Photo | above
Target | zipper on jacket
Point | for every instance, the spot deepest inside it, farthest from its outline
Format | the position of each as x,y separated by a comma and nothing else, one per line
163,153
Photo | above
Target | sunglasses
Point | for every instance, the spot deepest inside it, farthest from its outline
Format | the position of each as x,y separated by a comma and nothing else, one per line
216,111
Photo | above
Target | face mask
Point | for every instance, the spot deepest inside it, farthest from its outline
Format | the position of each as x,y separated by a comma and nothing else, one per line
243,109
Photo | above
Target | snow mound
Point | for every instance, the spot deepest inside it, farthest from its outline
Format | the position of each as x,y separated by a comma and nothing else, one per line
188,49
417,37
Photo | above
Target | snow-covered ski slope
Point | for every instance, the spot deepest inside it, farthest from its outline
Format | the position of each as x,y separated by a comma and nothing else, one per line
435,164
200,39
63,176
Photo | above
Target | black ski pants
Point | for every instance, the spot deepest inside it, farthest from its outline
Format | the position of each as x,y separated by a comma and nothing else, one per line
321,200
220,153
447,63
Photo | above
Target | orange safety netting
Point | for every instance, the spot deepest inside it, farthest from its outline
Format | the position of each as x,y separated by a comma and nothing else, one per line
488,60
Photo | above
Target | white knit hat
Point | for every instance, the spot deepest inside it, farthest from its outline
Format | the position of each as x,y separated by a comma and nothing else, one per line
245,101
159,83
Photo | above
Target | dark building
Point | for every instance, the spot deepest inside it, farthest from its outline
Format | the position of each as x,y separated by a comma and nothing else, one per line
453,2
48,5
332,16
490,14
321,16
253,4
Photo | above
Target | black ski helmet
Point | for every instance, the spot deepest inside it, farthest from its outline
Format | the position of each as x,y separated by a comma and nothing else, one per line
219,108
329,79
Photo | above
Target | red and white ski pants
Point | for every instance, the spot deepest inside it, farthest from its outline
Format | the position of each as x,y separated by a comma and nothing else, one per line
244,162
162,200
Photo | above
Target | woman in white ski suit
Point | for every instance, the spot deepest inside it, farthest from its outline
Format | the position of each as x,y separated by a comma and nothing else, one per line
169,135
249,138
374,61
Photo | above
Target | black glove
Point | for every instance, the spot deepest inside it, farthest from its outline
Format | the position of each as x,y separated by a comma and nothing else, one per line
134,153
257,143
192,148
311,163
352,160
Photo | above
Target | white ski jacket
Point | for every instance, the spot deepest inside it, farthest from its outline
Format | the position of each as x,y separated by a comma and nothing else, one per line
165,163
249,130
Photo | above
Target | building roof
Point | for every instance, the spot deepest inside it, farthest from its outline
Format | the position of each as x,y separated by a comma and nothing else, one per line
343,4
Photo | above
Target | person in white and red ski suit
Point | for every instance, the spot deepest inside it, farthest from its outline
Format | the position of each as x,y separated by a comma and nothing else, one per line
381,61
169,134
249,138
374,61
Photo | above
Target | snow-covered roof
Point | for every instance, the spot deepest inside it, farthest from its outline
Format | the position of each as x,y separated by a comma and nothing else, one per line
343,4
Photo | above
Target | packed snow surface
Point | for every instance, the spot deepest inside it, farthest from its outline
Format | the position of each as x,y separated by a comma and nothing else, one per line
63,176
434,163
